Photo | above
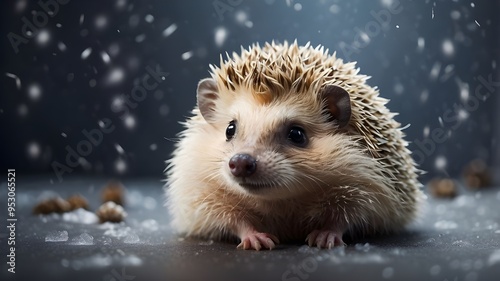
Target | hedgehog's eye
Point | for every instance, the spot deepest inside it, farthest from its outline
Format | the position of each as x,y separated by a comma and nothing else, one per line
297,136
230,130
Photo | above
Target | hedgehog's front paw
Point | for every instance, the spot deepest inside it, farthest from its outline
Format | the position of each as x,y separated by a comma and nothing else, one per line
257,241
325,238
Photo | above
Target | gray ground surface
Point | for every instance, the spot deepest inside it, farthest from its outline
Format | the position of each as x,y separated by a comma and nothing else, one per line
457,239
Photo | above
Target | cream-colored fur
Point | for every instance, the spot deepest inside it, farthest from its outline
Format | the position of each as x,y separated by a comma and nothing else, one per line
359,178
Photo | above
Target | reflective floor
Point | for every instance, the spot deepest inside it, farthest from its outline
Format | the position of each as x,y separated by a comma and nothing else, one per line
456,239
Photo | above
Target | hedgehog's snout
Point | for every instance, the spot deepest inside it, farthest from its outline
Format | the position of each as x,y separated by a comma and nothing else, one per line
242,165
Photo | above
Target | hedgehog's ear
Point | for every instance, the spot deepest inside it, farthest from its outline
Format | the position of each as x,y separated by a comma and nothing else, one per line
337,103
207,96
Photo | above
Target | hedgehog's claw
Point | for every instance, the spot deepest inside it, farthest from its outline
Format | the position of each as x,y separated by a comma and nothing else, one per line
257,241
325,239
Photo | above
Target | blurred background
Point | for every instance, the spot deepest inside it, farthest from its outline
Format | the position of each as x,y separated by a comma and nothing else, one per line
97,88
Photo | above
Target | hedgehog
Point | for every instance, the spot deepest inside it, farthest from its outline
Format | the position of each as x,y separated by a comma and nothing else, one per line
289,143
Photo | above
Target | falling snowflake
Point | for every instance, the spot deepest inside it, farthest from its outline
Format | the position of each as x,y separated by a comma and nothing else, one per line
426,132
86,53
139,38
462,114
120,166
149,18
129,122
440,162
242,18
101,22
120,4
61,46
334,9
436,68
114,49
21,5
455,14
220,36
118,103
34,92
119,149
101,124
187,55
420,44
16,78
463,88
33,150
398,88
169,30
105,57
424,96
387,3
448,48
43,37
115,76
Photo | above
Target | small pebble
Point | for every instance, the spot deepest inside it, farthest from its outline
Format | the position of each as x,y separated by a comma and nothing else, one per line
52,205
477,175
442,188
111,212
77,202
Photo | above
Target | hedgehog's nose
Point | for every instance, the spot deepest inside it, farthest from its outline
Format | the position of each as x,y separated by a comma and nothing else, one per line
242,165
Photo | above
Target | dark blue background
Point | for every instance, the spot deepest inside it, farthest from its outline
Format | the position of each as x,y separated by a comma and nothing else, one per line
423,83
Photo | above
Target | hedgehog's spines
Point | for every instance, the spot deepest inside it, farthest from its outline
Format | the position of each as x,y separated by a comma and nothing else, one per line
276,70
